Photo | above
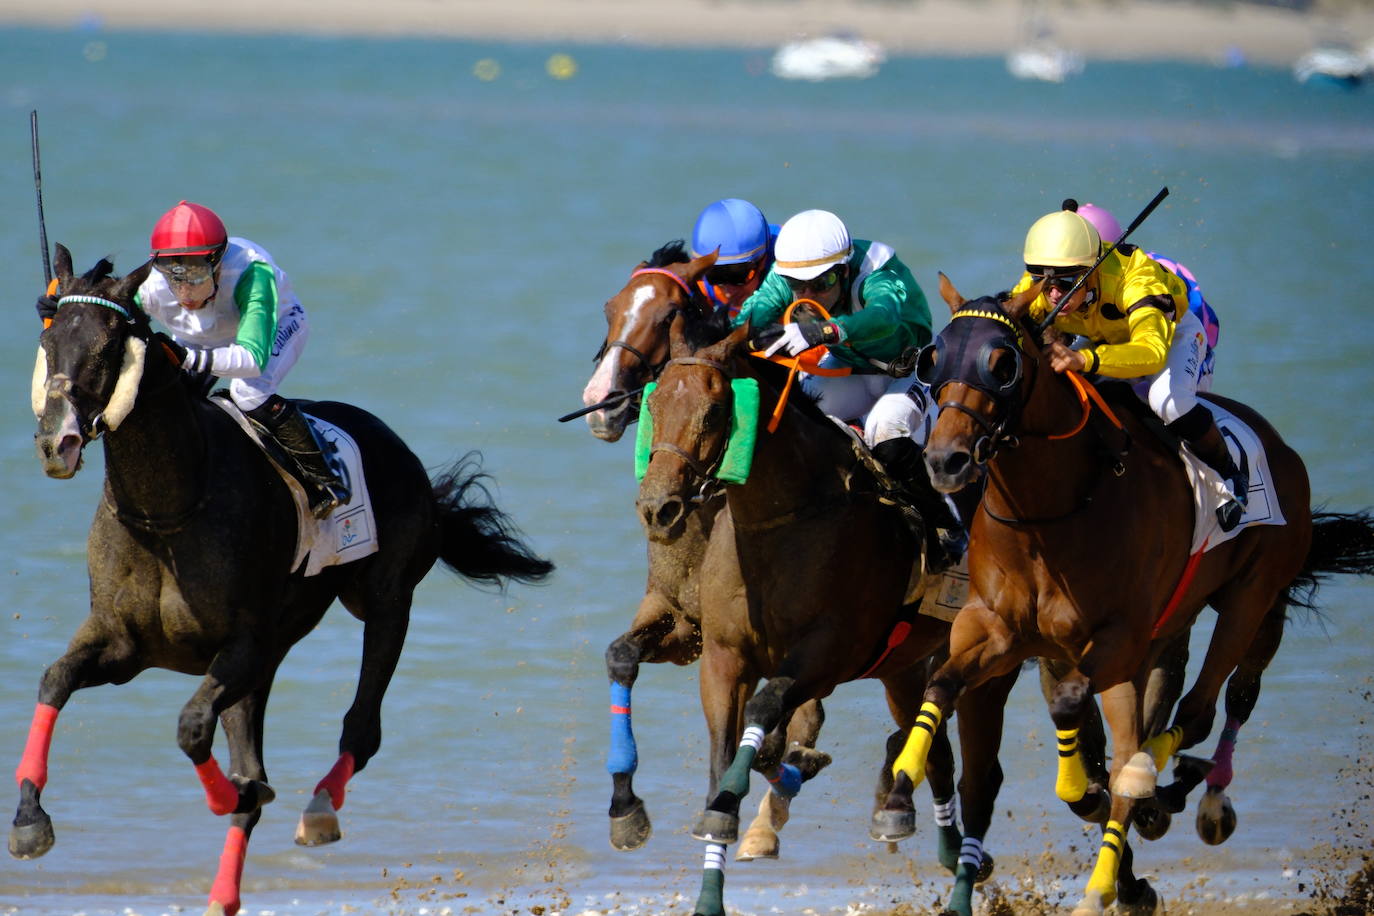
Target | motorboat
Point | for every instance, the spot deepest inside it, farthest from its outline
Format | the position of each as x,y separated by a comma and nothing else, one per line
828,57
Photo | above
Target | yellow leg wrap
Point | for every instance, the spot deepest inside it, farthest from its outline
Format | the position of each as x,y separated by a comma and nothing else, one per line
912,759
1161,747
1103,880
1072,783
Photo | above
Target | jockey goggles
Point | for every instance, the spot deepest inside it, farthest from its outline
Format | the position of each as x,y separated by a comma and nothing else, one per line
732,274
1056,277
817,284
186,269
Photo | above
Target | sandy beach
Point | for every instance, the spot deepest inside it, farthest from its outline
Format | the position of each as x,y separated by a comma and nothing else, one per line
1099,30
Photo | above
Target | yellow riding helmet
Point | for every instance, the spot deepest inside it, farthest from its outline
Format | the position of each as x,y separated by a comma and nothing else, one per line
1062,239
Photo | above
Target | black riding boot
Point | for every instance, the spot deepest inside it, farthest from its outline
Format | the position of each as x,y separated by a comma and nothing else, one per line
294,434
946,539
1206,443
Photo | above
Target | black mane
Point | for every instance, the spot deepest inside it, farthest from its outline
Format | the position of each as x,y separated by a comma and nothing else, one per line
674,252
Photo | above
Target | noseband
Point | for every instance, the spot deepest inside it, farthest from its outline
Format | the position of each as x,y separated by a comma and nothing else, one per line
96,426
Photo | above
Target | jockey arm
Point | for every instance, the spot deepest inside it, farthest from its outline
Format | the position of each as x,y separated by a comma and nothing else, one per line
256,297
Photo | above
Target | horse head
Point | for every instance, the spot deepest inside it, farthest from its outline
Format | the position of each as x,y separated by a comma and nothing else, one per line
690,413
636,344
90,361
976,370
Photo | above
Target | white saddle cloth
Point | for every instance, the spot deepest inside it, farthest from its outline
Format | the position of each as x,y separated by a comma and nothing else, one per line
1210,492
350,532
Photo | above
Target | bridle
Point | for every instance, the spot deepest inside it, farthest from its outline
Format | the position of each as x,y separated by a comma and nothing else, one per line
95,427
704,470
945,361
654,369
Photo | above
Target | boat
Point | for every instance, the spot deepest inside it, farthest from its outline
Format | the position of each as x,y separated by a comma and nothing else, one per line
1044,61
1332,64
828,57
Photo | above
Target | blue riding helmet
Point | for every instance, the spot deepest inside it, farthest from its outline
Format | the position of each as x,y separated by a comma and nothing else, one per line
736,227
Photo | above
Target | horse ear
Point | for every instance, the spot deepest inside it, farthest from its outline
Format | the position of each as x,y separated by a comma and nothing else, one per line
62,263
124,290
677,338
1019,304
953,298
698,266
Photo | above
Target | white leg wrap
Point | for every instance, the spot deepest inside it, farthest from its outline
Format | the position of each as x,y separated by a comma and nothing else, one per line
753,737
971,853
715,857
944,813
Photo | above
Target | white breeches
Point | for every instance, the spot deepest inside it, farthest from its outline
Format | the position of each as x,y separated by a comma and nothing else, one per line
1172,391
886,406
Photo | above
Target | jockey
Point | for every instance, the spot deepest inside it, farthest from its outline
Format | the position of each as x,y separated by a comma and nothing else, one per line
878,312
1134,315
743,241
232,313
1108,230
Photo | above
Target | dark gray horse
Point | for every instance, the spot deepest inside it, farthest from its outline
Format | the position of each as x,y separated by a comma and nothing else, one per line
190,558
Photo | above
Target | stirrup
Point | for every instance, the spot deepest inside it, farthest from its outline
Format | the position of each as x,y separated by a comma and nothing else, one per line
325,498
1230,512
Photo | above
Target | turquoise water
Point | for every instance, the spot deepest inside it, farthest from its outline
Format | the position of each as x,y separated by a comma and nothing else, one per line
454,239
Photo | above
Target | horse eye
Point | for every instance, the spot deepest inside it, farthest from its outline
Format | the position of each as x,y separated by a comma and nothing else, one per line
715,417
1002,366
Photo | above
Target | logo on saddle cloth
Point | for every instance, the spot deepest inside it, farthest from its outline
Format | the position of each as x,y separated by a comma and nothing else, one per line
738,456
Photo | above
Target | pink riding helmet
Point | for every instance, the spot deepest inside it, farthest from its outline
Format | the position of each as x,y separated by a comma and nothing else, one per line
1108,229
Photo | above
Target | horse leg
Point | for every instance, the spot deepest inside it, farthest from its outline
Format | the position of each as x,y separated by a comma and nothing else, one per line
979,648
1083,737
760,841
725,688
93,658
1216,818
234,672
980,718
1154,815
385,621
653,623
243,728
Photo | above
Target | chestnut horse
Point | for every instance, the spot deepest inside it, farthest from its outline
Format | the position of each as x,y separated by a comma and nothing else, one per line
1080,553
804,576
667,625
191,552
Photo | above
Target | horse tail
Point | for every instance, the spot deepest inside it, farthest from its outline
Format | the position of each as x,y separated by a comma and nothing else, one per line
477,540
1342,542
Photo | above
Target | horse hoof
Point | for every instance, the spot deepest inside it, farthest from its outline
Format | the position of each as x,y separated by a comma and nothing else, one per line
1137,777
807,759
1216,819
757,844
319,823
29,841
1152,821
215,909
891,826
1094,807
1142,900
632,830
984,870
716,827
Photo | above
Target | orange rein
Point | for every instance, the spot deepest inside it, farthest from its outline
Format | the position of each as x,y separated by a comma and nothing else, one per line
1085,393
807,361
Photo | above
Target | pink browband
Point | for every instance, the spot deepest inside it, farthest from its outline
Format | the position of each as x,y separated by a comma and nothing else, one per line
667,273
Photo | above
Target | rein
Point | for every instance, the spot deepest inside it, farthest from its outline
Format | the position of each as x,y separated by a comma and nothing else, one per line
654,369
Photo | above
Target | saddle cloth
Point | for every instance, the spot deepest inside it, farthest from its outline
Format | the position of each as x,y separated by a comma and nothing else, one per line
350,532
1209,490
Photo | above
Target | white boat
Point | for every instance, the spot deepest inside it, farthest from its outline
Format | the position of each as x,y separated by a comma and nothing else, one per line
1332,63
1044,61
830,57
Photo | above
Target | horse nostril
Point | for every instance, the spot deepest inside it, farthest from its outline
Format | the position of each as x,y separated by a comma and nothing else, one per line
668,513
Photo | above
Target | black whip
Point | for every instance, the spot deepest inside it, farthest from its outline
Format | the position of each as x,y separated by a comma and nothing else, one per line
38,193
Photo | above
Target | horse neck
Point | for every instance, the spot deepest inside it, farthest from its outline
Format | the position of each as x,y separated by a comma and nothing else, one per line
796,469
155,462
1043,477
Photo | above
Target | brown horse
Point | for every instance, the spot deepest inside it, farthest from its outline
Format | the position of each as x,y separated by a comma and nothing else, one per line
667,625
803,579
1080,553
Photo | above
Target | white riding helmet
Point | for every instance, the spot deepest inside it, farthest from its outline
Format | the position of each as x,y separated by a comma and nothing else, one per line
811,243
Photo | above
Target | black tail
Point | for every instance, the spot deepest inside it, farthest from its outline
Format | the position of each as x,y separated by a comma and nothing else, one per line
479,541
1342,542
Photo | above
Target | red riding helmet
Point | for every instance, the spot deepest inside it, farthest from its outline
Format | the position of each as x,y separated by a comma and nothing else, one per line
191,229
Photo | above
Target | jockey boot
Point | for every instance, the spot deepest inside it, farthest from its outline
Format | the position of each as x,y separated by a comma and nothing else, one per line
946,538
294,434
1209,446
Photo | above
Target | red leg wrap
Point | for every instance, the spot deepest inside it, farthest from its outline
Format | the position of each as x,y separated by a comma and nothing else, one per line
336,783
225,890
33,766
220,794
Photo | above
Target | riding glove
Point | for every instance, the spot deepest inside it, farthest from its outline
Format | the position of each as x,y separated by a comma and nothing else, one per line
47,307
801,336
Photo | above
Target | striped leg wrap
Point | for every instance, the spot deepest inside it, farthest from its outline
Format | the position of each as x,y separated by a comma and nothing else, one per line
944,813
1103,880
912,759
1072,782
971,853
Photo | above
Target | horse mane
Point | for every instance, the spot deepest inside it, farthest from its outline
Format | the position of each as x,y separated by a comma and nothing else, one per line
674,252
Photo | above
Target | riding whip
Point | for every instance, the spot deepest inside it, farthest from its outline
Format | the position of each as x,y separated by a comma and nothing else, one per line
1064,300
38,193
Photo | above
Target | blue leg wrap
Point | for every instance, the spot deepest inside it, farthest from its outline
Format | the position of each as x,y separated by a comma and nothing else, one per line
787,782
624,756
